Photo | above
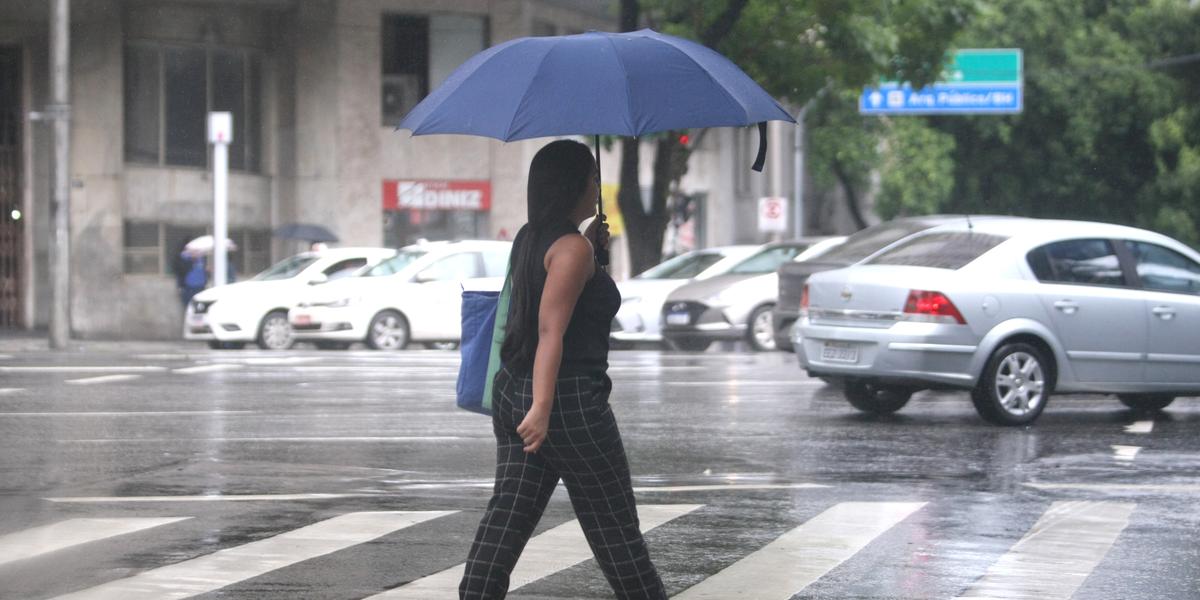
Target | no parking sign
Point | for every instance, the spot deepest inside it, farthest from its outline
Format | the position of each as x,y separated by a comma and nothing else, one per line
772,214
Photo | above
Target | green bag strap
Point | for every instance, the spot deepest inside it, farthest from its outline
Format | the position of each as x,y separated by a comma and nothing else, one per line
493,365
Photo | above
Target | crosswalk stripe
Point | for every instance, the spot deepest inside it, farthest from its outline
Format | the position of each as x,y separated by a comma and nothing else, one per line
550,552
103,379
5,391
1125,453
226,567
1140,427
206,369
72,532
805,554
1054,558
81,369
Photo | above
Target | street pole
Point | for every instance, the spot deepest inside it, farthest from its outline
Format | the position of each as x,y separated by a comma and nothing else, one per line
220,133
60,112
798,169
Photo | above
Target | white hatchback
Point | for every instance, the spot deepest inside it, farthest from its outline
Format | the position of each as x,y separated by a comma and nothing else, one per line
416,296
229,316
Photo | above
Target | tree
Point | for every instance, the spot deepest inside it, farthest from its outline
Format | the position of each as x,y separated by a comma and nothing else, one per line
793,48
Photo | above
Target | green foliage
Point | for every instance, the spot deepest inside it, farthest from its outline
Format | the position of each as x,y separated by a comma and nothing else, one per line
917,175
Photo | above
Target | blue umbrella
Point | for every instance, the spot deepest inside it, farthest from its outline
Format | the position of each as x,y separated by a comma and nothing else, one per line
594,83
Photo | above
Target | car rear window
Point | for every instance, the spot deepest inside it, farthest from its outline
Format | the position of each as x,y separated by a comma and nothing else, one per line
872,239
767,261
946,250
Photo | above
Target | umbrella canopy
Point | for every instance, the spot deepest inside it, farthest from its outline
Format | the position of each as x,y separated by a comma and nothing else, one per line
305,231
594,83
204,245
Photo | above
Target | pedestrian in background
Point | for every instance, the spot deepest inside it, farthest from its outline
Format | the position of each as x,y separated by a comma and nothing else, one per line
191,275
551,416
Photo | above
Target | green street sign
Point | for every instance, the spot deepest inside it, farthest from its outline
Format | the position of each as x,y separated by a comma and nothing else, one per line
975,81
983,66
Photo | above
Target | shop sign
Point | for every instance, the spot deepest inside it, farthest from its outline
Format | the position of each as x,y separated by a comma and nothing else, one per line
434,194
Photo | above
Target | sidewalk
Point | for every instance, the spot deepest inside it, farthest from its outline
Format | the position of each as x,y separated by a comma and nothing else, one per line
17,342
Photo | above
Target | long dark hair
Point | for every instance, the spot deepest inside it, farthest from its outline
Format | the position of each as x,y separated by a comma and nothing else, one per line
558,177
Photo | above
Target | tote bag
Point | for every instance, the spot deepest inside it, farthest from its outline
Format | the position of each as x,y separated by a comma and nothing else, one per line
484,316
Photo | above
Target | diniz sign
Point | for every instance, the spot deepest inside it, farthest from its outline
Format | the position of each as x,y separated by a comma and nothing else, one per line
433,194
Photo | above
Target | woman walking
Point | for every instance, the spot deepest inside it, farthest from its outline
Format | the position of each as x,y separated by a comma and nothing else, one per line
550,409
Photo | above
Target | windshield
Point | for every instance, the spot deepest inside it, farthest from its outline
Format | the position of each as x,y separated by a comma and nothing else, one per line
685,266
767,261
395,264
949,250
871,240
287,268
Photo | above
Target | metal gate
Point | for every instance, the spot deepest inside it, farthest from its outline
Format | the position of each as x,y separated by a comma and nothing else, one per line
12,221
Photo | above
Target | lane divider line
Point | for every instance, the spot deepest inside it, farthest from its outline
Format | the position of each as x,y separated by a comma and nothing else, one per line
1140,427
103,379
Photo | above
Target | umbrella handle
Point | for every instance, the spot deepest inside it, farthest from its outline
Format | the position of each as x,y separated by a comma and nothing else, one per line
602,256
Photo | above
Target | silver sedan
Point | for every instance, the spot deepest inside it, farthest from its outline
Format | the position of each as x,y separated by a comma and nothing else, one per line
1011,309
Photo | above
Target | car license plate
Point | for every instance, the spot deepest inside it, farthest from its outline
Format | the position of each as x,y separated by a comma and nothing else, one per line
839,352
196,321
303,320
679,319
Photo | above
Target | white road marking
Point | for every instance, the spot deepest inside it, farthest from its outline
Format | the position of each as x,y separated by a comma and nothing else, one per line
728,383
81,369
103,379
226,567
273,361
162,356
131,413
7,391
206,369
803,555
1167,488
728,486
72,532
398,438
554,550
203,498
1054,558
6,357
1125,453
1140,427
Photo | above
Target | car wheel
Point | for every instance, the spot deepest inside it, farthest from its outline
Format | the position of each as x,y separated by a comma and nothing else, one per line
275,333
761,331
332,345
691,345
1146,402
874,398
388,331
218,345
1014,387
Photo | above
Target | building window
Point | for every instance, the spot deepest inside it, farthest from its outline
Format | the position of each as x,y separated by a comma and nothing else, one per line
419,52
154,248
169,91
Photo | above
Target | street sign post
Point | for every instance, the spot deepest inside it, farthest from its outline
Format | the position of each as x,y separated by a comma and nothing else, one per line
772,214
976,81
220,134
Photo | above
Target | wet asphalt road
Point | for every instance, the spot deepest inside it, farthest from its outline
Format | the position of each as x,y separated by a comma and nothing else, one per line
165,471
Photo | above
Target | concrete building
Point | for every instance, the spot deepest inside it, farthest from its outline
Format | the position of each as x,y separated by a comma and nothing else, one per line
315,88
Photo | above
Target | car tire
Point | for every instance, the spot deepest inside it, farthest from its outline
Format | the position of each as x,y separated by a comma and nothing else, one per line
1146,402
388,331
691,345
275,332
874,398
332,345
218,345
1015,385
760,329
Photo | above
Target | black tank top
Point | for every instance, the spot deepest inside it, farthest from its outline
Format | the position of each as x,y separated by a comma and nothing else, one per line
585,343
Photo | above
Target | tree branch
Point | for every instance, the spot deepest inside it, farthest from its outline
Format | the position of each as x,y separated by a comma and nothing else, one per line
724,23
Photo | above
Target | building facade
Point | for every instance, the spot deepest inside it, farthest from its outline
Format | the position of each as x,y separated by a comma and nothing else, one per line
316,88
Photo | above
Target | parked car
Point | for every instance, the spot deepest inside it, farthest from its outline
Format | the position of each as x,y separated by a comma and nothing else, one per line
737,304
1013,310
415,296
256,310
642,297
858,246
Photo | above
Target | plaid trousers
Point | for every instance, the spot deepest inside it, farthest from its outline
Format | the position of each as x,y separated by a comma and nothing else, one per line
583,447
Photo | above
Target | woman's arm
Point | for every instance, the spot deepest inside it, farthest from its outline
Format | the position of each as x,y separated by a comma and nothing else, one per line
569,265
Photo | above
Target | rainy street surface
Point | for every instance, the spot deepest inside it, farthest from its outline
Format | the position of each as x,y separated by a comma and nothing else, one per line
156,471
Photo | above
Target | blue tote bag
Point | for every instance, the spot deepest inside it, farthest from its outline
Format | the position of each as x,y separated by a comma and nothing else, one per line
484,316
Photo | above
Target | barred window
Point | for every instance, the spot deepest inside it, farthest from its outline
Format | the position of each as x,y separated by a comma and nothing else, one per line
153,248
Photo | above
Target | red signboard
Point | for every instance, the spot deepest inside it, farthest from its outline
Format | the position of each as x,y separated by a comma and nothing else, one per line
432,194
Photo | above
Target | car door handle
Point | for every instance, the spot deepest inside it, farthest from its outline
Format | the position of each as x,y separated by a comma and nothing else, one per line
1165,313
1067,307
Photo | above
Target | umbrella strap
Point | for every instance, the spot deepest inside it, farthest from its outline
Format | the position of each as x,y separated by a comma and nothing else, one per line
762,147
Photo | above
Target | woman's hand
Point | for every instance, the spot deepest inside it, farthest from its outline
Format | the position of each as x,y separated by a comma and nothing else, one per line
597,231
533,428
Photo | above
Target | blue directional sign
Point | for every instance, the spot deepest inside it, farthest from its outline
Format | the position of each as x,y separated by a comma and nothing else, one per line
975,82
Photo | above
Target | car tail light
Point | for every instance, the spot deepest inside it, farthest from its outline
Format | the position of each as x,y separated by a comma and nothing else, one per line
933,307
804,299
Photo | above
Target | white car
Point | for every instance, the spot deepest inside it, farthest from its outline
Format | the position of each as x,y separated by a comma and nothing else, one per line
256,310
640,317
415,296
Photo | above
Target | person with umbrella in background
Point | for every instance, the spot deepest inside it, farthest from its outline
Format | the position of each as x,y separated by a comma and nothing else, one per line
551,414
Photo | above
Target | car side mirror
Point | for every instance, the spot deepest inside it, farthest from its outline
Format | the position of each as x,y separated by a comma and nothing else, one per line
424,277
318,279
